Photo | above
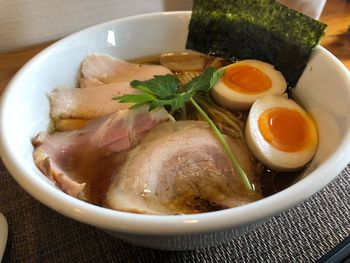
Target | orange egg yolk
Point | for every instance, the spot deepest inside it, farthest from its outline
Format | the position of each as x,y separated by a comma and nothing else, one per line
246,79
287,130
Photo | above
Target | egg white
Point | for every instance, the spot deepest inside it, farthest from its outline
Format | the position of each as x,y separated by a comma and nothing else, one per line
270,156
234,100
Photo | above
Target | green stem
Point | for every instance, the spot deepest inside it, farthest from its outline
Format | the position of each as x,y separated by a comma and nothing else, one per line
227,148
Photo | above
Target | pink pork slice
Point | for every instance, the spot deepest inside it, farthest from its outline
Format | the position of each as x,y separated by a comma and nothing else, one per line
81,162
88,103
100,68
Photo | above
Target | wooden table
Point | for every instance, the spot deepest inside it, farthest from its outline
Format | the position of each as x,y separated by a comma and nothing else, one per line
337,40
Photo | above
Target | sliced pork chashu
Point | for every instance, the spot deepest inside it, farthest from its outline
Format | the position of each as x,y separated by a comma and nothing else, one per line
88,103
103,77
180,167
100,68
87,158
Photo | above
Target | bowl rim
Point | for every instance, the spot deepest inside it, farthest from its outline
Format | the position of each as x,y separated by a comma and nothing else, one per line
165,224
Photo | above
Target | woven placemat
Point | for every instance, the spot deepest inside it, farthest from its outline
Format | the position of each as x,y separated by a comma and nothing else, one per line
301,234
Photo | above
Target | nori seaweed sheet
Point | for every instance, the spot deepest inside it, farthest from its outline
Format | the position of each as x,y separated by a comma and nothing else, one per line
255,29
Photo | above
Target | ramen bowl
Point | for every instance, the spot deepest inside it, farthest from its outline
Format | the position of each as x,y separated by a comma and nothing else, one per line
323,89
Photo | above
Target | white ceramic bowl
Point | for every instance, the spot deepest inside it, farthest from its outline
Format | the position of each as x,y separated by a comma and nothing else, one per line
324,89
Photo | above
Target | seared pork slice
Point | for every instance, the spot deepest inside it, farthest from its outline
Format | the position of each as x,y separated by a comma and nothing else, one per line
90,83
106,69
181,167
86,158
88,103
52,170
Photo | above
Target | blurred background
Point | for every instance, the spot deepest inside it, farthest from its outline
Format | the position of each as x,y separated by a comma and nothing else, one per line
27,22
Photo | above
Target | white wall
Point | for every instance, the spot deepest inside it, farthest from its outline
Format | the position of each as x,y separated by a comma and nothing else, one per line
28,22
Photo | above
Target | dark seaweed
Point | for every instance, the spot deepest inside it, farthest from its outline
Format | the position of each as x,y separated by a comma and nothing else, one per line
255,29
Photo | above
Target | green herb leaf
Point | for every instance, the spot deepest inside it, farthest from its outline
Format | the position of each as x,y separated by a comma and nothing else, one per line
205,81
216,76
136,98
176,102
161,86
164,90
255,29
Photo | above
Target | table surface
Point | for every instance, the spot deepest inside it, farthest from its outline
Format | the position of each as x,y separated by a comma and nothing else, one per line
337,40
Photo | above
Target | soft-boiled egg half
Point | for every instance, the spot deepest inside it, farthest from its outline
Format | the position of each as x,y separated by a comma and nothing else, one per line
280,133
244,82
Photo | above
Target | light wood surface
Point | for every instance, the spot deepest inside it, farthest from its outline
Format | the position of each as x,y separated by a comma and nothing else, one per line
337,40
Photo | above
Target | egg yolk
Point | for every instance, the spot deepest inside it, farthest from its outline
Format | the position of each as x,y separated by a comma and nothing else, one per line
246,79
287,130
